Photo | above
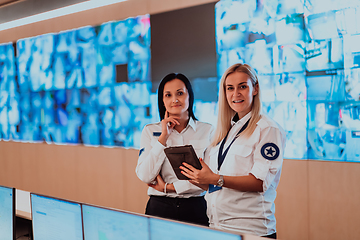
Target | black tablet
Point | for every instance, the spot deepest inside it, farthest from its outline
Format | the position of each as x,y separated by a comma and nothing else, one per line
179,154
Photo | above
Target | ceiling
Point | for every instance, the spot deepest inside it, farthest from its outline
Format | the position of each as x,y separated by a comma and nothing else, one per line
3,2
14,9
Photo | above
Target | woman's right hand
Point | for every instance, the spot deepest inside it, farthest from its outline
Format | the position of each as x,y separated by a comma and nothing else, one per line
201,177
167,126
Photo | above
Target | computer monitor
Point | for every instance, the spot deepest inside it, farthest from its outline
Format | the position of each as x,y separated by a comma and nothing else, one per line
55,218
101,223
167,229
7,213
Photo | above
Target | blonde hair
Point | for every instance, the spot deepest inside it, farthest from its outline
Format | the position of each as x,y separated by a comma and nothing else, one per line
226,113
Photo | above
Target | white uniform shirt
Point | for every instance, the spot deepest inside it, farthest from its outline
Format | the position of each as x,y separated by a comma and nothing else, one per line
152,159
261,155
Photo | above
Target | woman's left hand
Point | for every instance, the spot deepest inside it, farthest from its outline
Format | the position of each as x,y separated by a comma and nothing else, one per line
203,176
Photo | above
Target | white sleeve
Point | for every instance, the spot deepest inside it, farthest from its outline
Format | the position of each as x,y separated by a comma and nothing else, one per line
151,157
268,156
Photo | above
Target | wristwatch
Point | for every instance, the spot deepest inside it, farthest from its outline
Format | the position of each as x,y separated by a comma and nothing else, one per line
220,182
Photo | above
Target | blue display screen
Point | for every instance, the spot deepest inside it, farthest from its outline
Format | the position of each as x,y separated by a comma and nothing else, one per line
7,213
55,219
101,224
162,229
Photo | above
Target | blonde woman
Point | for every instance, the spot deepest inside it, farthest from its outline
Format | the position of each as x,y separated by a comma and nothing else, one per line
242,166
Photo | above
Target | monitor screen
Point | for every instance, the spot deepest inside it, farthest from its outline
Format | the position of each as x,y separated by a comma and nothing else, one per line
101,223
164,229
7,213
55,219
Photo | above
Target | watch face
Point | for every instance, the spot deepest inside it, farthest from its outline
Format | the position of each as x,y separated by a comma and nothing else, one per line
220,181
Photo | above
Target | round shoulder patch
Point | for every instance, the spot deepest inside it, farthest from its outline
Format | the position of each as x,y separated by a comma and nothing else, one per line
270,151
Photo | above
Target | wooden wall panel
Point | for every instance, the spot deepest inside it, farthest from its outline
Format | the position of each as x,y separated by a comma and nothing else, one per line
334,198
100,169
137,190
291,204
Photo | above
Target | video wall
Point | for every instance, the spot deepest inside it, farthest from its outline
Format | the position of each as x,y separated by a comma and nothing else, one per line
307,55
83,86
92,85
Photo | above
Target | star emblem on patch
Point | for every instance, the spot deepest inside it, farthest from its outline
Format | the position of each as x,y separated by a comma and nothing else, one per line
270,151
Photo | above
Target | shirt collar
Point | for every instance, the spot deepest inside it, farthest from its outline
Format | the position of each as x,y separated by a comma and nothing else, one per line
241,121
192,123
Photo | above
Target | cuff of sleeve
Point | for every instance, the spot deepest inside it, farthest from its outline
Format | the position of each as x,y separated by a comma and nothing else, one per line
181,186
260,170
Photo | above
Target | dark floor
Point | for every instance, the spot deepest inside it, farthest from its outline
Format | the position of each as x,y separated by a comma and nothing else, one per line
23,229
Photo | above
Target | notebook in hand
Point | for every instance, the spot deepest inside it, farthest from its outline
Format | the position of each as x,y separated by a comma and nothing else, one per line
179,154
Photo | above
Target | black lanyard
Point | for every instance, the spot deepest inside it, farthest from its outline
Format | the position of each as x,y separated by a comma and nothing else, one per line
221,156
